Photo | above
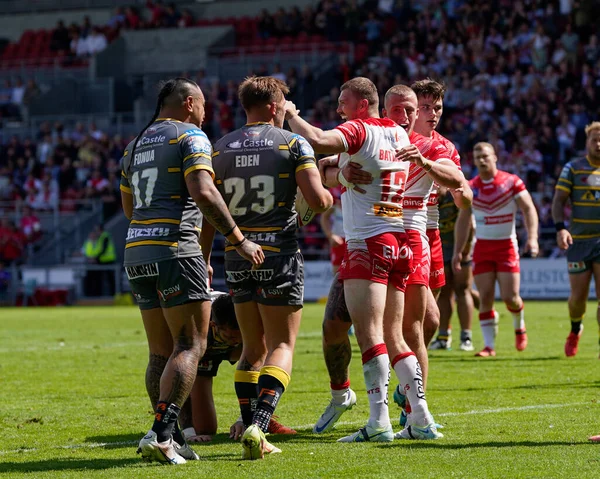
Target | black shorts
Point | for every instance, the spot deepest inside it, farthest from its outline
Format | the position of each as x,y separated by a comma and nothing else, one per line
278,282
210,367
581,254
169,283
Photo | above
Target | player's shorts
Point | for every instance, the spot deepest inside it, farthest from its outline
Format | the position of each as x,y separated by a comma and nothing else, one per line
209,367
419,244
500,256
437,277
448,252
582,254
169,283
278,282
384,258
337,254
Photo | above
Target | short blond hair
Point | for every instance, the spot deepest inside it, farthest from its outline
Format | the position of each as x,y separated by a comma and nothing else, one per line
595,125
484,144
403,91
260,91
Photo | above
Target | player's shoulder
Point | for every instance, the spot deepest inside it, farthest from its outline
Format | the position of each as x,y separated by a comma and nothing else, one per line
579,164
231,141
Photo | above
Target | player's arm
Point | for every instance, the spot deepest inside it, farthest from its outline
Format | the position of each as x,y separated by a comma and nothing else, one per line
309,182
325,222
126,194
562,193
530,216
463,196
462,229
325,142
443,172
207,236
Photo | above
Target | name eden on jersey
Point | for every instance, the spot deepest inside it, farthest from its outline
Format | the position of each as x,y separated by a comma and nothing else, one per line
246,160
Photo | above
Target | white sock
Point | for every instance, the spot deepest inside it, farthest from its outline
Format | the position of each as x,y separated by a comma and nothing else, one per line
489,328
408,371
340,396
518,318
376,369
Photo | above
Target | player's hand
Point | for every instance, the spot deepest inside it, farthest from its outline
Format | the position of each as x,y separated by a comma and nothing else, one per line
564,239
456,260
209,271
199,438
236,431
354,174
532,247
290,110
336,240
324,163
412,154
251,252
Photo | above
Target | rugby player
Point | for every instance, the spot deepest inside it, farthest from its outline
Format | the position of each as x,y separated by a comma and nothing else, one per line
224,344
457,285
166,187
579,182
401,107
431,107
258,169
496,196
378,257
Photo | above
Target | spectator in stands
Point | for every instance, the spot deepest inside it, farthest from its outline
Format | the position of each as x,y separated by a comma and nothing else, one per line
118,19
99,249
96,41
60,41
79,46
157,12
4,278
30,225
31,91
12,242
132,18
186,20
170,17
266,24
86,29
18,92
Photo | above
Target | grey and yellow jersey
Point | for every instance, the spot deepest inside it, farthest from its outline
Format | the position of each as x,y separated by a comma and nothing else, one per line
581,180
166,221
255,172
447,221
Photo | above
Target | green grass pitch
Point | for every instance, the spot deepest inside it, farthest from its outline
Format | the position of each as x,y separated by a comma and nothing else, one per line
74,405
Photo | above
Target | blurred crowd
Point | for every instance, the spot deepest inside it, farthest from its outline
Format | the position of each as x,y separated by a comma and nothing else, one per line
523,75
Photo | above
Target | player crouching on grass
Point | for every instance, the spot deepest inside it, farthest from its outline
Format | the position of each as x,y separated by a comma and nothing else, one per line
224,344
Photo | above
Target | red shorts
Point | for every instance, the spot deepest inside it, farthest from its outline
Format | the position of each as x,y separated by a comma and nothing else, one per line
384,258
500,256
421,258
437,277
337,254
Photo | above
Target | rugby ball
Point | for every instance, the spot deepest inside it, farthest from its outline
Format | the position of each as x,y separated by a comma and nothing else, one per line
305,213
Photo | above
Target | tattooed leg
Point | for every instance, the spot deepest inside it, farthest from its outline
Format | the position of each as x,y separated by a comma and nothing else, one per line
156,366
336,344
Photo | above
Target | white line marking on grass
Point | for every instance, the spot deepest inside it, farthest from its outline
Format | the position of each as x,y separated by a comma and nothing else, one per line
93,445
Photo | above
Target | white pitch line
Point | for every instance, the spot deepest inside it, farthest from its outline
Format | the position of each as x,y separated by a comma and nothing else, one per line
93,445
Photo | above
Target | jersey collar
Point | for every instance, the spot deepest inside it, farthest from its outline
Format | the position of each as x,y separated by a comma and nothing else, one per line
590,163
167,119
257,123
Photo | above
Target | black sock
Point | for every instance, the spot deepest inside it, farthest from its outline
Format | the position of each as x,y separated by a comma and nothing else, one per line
246,389
465,335
178,435
575,327
271,390
165,420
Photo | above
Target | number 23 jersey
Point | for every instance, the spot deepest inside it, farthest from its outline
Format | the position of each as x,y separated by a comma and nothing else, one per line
372,143
166,221
255,168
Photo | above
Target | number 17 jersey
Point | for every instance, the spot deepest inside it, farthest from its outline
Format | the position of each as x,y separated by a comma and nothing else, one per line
166,221
372,143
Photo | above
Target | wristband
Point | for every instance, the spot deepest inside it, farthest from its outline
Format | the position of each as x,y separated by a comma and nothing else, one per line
236,245
342,179
560,226
230,231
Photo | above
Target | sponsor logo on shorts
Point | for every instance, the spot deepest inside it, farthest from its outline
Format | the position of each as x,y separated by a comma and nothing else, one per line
140,299
271,292
576,266
395,253
436,273
205,365
258,275
142,271
169,293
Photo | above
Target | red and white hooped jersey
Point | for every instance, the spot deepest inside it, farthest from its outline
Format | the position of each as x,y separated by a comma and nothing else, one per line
419,184
494,205
433,213
372,143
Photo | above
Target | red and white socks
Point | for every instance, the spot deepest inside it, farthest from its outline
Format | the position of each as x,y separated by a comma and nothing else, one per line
376,369
340,393
408,370
489,327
